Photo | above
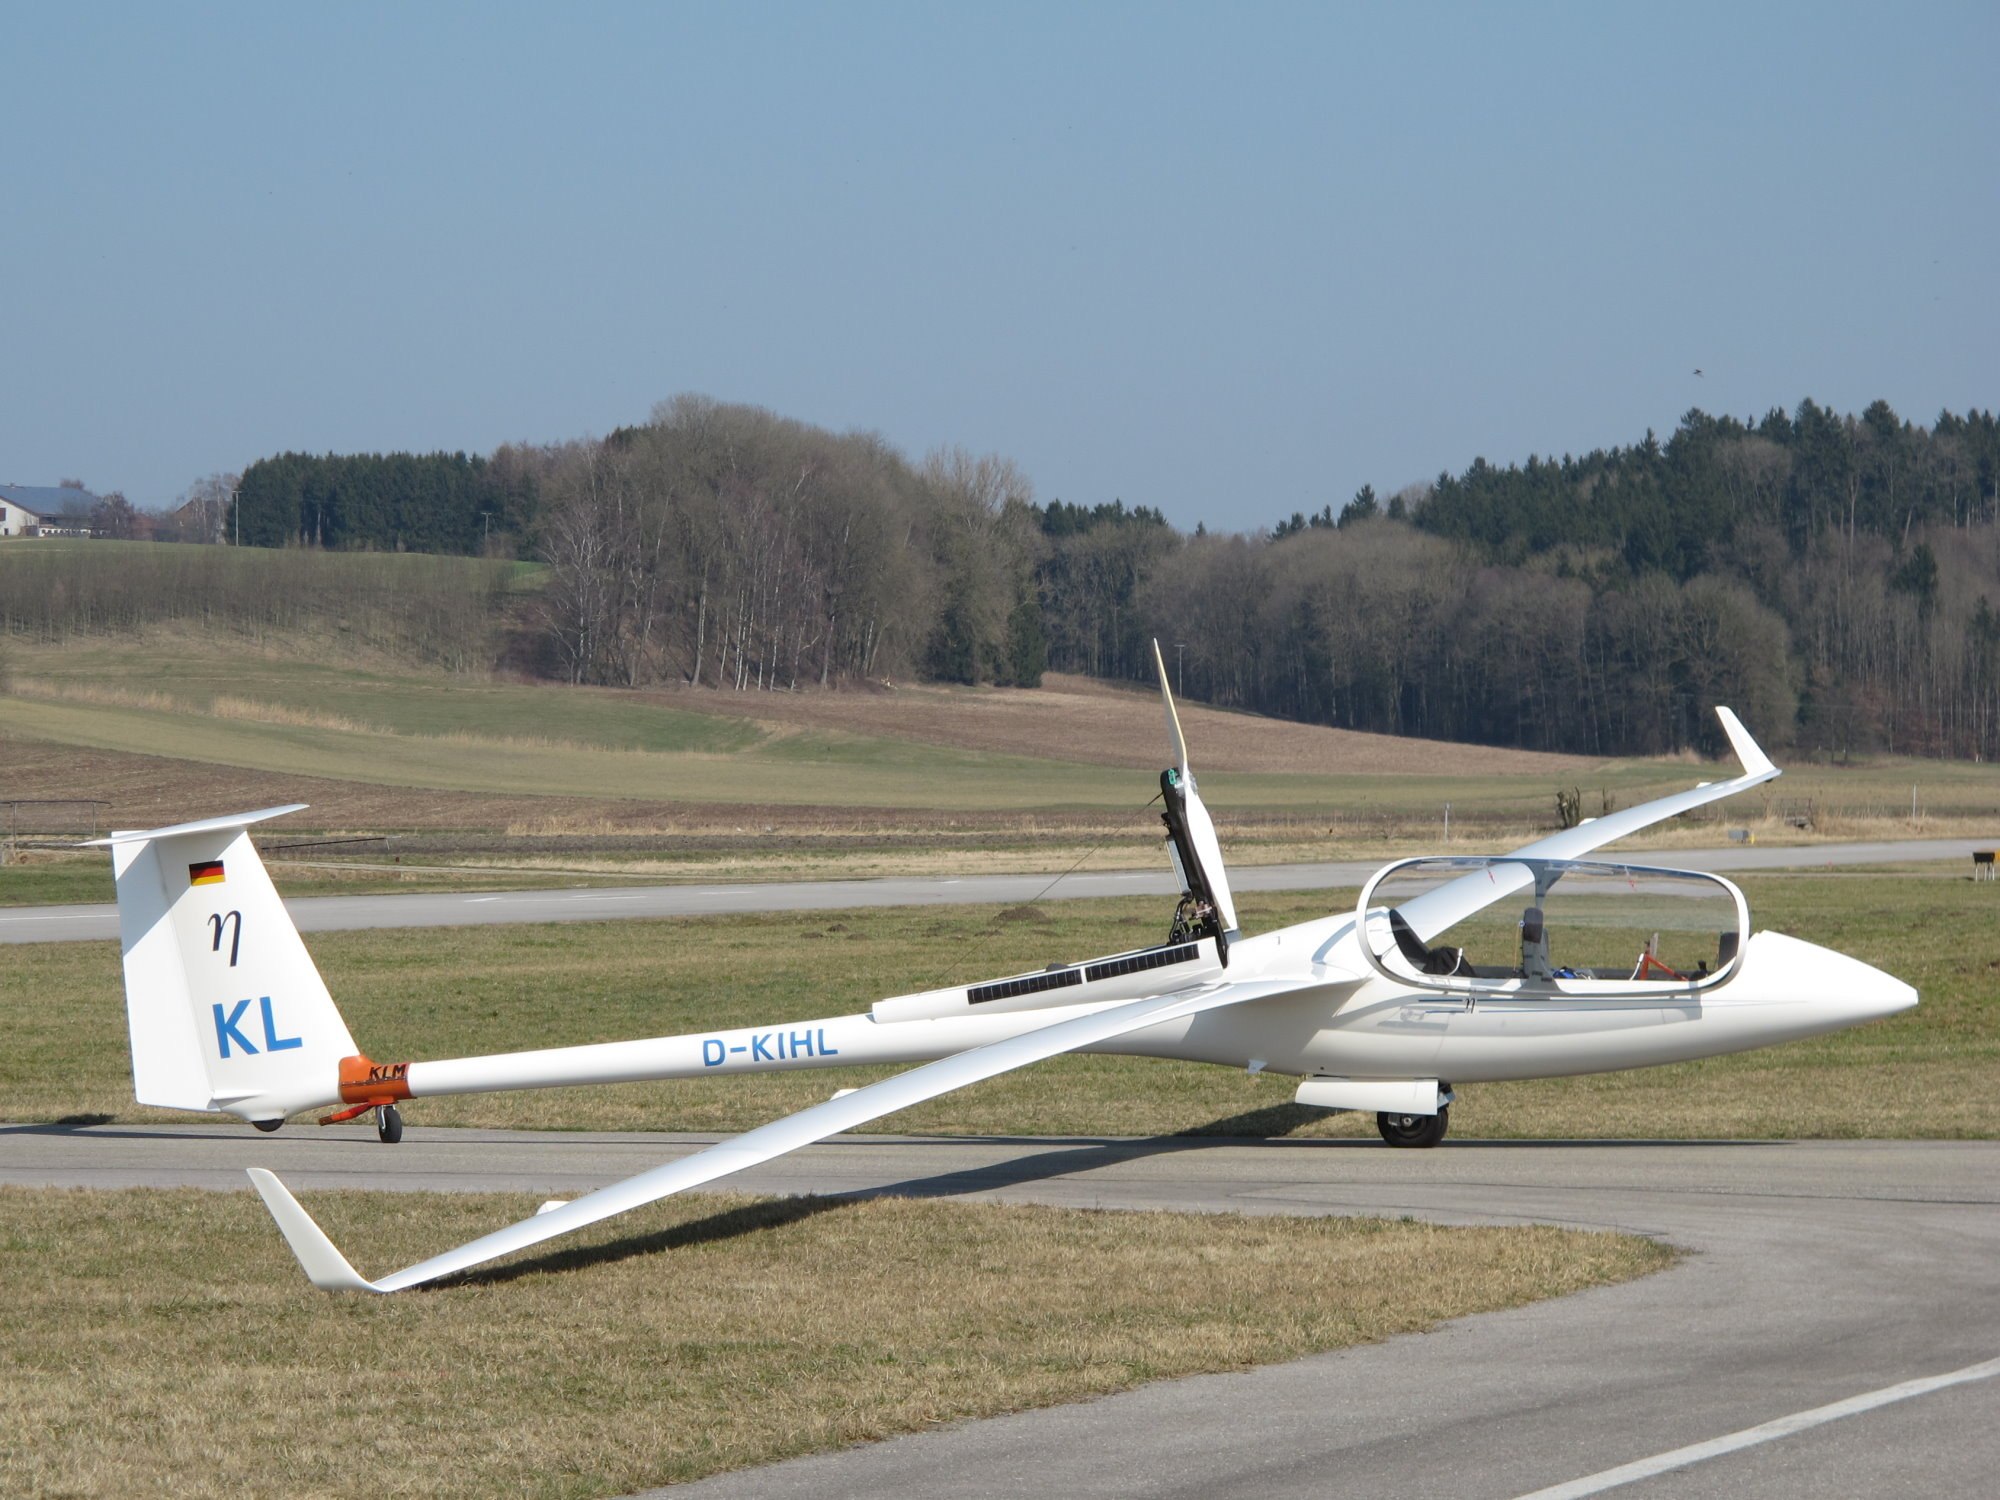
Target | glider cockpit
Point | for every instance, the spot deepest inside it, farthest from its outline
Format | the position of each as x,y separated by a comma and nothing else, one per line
1575,928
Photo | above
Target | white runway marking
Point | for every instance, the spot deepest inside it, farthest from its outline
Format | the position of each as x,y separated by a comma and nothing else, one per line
479,900
1750,1437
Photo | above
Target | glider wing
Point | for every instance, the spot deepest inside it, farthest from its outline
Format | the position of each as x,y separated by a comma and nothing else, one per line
329,1270
1437,910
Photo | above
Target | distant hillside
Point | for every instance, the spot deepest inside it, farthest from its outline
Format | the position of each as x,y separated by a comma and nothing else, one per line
1113,724
1834,578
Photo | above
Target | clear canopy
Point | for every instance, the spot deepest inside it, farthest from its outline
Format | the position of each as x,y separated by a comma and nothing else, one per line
1552,926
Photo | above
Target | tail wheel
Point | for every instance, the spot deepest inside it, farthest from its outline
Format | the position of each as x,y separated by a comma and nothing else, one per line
388,1123
1414,1130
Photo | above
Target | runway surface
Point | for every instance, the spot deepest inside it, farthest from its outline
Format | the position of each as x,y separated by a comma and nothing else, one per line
50,924
1817,1272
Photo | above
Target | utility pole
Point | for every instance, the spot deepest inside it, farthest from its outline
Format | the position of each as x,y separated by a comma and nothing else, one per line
1180,670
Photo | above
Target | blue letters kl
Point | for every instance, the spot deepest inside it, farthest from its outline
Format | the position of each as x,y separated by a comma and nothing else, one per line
225,1029
763,1046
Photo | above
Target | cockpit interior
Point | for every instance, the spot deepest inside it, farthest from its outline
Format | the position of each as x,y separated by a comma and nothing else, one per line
1578,925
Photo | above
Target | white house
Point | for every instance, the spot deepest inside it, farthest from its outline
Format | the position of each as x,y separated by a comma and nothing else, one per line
37,510
17,520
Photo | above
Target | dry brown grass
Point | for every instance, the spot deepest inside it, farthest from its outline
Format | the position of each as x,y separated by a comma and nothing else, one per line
144,791
1827,827
256,711
164,1343
108,697
251,712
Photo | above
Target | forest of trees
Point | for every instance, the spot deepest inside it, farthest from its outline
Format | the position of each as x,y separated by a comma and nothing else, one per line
726,546
381,502
1835,578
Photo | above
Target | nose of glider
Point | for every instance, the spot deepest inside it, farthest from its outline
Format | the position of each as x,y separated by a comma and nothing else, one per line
1858,992
1833,989
1887,996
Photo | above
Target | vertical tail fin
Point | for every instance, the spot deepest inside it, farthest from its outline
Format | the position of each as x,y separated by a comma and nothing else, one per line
226,1009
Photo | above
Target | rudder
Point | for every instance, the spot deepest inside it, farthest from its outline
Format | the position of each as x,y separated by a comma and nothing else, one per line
225,1007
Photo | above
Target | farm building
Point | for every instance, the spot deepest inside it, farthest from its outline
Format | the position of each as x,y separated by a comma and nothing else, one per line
43,510
15,518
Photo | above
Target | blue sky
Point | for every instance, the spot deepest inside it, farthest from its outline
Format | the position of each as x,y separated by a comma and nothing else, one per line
1229,261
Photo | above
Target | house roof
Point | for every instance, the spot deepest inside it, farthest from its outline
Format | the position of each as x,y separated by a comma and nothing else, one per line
46,499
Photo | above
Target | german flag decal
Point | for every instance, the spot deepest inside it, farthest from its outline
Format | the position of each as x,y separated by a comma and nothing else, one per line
208,872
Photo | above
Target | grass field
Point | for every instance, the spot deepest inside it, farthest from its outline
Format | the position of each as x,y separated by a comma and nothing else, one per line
707,1333
328,711
452,992
387,723
1095,723
163,1343
502,779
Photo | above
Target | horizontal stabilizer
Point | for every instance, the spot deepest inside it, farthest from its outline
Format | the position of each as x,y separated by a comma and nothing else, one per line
207,825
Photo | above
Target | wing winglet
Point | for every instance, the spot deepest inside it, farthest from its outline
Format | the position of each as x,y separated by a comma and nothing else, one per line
1755,762
1436,910
329,1270
324,1265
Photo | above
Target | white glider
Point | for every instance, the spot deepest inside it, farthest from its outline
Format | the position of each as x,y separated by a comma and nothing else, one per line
1384,1008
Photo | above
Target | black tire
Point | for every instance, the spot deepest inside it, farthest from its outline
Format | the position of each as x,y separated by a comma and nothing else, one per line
267,1126
389,1124
1415,1131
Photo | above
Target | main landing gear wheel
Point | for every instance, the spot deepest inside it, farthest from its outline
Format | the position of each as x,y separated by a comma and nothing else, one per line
1414,1130
389,1123
267,1126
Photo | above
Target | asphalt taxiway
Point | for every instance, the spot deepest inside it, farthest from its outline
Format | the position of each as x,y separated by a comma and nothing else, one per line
1821,1277
52,924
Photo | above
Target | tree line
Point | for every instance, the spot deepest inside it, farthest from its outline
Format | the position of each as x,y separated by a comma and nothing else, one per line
449,612
381,502
1836,578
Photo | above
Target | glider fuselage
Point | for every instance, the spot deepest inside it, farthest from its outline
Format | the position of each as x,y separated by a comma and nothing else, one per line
1340,1025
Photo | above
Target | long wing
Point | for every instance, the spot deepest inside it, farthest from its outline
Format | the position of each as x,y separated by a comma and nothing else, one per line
1437,910
329,1270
